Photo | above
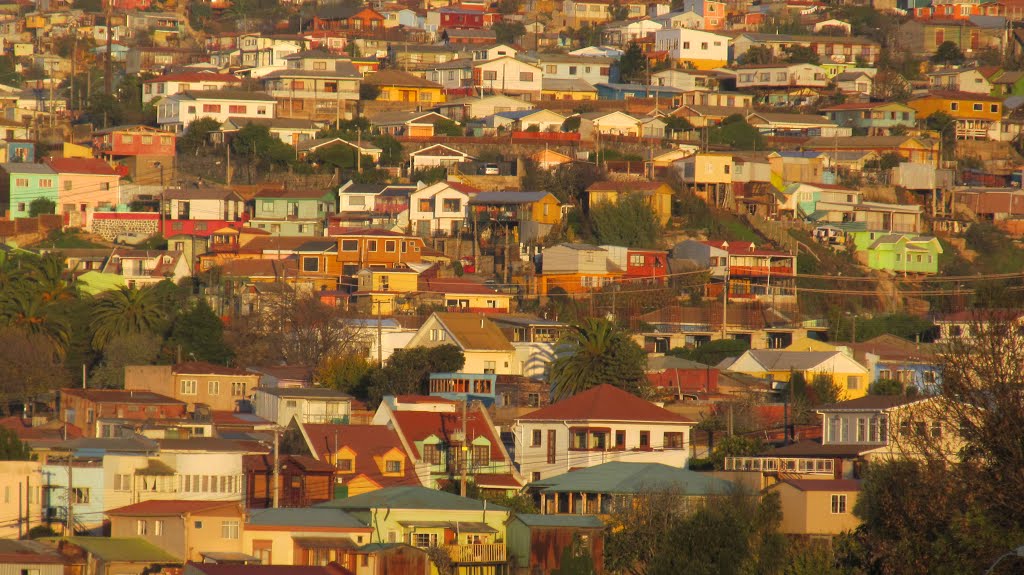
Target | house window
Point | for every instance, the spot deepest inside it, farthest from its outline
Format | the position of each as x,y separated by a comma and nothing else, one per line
979,107
214,388
158,527
431,454
229,529
994,108
392,466
481,455
936,429
80,495
122,482
237,389
211,108
838,504
21,182
536,438
852,382
620,439
345,465
390,246
371,245
140,527
526,76
261,110
673,440
645,440
310,264
490,75
188,387
532,400
862,430
425,540
349,245
489,367
954,106
237,109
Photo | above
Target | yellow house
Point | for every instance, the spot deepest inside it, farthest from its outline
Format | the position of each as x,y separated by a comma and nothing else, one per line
567,89
399,86
817,507
484,346
708,175
283,536
458,294
808,344
367,457
383,291
850,377
657,195
975,114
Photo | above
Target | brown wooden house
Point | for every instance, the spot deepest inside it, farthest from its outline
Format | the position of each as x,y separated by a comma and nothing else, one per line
303,481
537,543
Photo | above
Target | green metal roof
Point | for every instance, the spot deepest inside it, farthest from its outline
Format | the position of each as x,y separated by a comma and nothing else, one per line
299,517
123,549
621,477
410,497
537,520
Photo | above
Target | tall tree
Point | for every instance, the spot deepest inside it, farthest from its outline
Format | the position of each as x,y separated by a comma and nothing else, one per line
28,312
630,222
200,334
633,64
948,53
12,448
30,366
596,351
407,371
757,55
126,311
121,351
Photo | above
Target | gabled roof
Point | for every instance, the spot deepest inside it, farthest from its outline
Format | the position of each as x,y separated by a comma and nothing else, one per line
171,507
367,441
123,549
392,77
90,166
869,403
507,198
439,150
579,521
396,118
566,85
473,332
620,477
604,403
415,426
407,497
304,517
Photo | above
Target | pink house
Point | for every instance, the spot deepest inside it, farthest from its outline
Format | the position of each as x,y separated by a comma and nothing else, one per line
84,185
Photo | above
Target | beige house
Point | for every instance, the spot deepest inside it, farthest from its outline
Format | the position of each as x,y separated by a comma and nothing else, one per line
817,507
197,382
20,483
301,536
486,348
193,530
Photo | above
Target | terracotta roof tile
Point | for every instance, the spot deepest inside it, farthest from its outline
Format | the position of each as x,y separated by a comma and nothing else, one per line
418,425
604,403
367,441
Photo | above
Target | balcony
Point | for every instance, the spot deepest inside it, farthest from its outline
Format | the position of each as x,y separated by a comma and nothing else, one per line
761,271
481,553
799,465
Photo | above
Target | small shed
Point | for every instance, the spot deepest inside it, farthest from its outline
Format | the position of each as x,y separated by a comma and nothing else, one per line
537,543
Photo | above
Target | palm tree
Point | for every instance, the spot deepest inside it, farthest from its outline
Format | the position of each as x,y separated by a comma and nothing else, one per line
29,312
47,274
595,352
126,311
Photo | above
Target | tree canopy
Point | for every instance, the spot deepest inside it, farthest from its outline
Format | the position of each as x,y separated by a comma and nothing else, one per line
595,352
630,222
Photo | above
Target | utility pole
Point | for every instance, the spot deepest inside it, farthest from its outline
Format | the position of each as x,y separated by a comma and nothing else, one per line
380,337
277,470
465,450
725,302
69,526
108,78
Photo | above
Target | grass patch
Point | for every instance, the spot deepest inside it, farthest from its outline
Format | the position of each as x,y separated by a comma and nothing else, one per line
70,239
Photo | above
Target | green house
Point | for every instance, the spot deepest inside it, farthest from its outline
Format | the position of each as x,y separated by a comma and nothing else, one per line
21,183
1007,83
898,253
293,212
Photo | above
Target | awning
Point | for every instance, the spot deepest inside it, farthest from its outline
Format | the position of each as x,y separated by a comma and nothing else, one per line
457,526
227,557
325,543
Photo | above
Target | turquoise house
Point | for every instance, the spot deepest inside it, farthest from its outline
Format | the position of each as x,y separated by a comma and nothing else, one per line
898,253
20,183
293,212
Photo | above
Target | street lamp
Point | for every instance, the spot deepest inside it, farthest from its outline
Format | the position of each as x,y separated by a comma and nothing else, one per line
1018,552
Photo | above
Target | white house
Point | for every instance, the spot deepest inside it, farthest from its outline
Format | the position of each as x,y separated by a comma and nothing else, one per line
439,207
689,80
307,404
509,76
462,109
704,50
623,32
171,84
780,76
485,347
592,69
609,123
526,120
599,425
435,156
176,112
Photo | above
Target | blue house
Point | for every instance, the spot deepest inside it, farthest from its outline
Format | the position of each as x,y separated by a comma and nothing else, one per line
464,386
889,357
606,91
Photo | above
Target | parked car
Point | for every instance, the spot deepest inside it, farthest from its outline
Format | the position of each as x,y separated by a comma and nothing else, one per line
491,170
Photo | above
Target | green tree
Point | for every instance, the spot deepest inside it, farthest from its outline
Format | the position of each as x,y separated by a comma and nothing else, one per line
736,132
126,311
31,366
197,136
630,222
41,206
391,149
735,446
825,389
886,387
948,53
616,11
448,128
796,54
944,124
595,352
633,64
756,55
125,350
12,448
576,559
712,352
200,334
368,92
508,32
677,124
260,147
26,310
408,370
345,372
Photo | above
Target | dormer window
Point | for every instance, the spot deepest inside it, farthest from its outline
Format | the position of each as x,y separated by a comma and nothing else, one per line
345,465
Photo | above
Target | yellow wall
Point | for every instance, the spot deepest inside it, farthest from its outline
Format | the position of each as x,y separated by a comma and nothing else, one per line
411,94
554,211
480,300
718,174
965,108
398,282
565,95
839,379
810,512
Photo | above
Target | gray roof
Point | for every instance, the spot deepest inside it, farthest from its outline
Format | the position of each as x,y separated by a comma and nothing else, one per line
869,403
503,198
393,118
469,33
793,118
305,392
410,497
225,95
26,168
620,477
567,85
660,362
565,59
272,123
303,517
581,247
537,520
798,360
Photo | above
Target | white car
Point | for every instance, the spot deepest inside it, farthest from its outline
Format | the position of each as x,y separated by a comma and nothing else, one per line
491,170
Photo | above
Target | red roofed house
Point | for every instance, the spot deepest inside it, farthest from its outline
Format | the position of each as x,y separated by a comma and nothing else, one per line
219,387
84,407
817,507
751,273
431,430
146,152
171,84
83,186
364,457
186,529
599,425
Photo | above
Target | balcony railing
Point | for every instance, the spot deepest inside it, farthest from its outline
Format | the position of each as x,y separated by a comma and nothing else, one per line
481,553
761,271
802,465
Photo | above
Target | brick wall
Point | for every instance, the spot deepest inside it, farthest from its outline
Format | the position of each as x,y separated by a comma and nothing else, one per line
109,225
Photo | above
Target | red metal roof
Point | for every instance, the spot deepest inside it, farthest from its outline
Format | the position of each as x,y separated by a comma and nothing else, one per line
170,507
195,77
454,286
25,431
824,484
419,425
604,403
92,166
367,441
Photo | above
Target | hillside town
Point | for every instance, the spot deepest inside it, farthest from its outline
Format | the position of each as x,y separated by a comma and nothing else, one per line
522,287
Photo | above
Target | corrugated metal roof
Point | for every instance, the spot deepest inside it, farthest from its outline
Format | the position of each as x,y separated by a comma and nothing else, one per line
406,497
622,478
308,517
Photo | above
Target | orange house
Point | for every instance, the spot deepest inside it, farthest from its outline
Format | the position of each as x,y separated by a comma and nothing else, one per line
368,248
976,115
